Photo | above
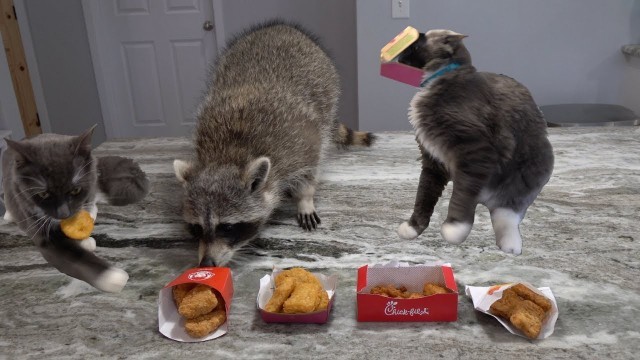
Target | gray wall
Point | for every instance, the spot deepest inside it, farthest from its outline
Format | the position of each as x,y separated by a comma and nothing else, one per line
61,47
563,51
332,20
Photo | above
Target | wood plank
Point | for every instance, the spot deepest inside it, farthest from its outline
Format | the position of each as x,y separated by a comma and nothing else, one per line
18,68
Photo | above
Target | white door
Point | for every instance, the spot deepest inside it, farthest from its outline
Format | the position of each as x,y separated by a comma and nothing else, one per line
150,59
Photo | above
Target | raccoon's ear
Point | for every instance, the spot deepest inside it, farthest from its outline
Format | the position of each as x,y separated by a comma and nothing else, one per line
257,173
181,168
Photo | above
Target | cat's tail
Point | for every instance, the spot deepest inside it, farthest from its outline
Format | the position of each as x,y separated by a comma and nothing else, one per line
121,180
347,137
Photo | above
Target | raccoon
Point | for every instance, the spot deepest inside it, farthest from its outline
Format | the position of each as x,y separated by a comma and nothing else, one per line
266,120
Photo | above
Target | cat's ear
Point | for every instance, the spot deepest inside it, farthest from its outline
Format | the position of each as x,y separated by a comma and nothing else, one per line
454,38
22,150
182,169
82,142
257,173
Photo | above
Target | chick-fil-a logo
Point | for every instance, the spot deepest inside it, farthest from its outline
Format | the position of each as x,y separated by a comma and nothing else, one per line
391,310
200,275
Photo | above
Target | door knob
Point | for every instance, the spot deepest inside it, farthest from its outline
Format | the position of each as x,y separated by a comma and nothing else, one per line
208,25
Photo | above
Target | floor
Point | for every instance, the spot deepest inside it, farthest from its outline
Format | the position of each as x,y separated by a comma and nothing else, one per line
581,239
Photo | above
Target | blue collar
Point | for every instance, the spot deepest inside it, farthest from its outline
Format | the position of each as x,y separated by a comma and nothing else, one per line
439,73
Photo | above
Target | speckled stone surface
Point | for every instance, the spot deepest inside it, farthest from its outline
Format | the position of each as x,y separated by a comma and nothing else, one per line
632,50
581,238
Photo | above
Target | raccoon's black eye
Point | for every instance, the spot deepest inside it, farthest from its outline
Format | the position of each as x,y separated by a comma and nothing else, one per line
237,232
225,229
195,230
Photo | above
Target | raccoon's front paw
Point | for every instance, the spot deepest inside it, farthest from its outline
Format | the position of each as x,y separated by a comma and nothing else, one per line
112,280
455,232
407,231
309,221
88,244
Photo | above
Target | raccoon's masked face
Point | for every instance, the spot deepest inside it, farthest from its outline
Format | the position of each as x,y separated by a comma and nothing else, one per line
435,49
225,206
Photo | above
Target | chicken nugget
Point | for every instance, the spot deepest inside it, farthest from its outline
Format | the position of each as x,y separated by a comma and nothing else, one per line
180,291
79,226
531,308
412,295
526,322
431,289
505,306
280,294
389,290
299,274
304,298
324,301
526,293
205,324
199,301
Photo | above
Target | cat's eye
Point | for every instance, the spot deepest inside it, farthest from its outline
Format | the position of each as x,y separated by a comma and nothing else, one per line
75,191
43,195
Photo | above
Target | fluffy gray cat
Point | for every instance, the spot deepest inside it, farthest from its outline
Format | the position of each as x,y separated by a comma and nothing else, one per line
51,177
481,130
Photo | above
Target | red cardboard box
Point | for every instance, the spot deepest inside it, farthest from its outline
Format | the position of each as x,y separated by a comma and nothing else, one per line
171,323
389,65
319,317
438,307
402,73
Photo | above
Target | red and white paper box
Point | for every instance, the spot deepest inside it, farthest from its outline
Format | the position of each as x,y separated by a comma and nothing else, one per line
403,73
438,307
171,323
267,285
483,297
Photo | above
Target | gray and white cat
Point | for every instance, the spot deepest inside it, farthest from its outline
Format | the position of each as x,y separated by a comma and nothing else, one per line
51,177
481,130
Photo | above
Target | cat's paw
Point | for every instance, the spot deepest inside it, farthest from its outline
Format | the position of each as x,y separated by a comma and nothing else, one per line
112,280
88,244
510,246
8,217
407,231
455,232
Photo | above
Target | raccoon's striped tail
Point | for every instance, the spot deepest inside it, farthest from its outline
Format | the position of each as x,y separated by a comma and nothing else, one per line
347,137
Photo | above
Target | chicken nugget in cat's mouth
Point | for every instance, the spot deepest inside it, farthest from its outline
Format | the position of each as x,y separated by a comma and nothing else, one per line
79,226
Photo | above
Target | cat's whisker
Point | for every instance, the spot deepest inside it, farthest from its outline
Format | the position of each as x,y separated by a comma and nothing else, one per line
39,188
32,178
38,231
77,177
36,222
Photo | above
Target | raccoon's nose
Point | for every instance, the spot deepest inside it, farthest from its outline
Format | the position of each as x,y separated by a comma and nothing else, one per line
207,262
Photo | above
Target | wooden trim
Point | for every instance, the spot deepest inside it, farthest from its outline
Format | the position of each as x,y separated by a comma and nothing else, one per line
18,68
32,64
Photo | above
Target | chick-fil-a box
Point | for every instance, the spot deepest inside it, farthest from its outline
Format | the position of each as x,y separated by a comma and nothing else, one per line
436,307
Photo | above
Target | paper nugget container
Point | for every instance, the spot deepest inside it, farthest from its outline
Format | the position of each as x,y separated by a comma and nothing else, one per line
438,307
391,68
319,317
171,323
483,297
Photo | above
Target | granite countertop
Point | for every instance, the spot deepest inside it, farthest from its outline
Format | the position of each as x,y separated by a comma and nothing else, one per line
580,238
